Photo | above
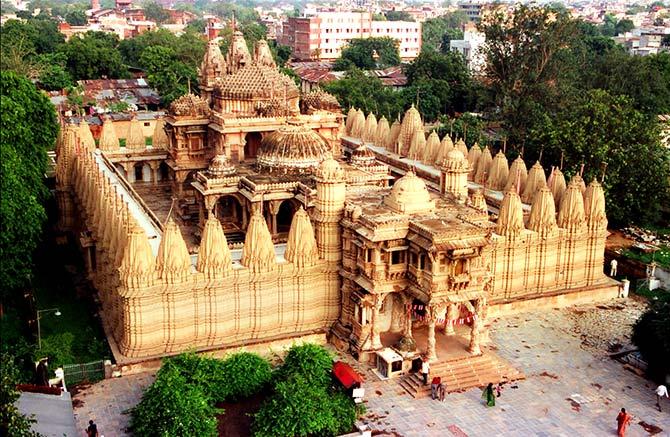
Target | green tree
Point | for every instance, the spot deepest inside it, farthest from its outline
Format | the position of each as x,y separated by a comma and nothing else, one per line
76,17
448,36
398,16
165,72
651,334
173,407
245,374
433,30
369,54
600,129
155,12
12,422
309,360
29,130
53,75
94,55
624,25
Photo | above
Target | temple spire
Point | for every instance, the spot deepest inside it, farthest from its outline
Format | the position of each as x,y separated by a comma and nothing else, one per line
536,180
301,248
594,206
108,142
571,211
258,253
542,217
137,265
214,258
510,217
173,262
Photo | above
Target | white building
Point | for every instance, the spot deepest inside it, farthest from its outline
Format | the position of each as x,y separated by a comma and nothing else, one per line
470,48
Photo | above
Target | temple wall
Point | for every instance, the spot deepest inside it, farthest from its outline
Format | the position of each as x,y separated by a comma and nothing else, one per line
528,265
242,308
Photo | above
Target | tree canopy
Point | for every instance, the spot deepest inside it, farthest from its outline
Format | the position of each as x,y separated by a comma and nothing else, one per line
369,54
434,30
94,55
29,130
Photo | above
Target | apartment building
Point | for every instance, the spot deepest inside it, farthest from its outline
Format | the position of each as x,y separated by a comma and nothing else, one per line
323,35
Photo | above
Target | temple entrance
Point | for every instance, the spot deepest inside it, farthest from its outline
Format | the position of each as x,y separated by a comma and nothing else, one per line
285,215
163,172
230,213
252,144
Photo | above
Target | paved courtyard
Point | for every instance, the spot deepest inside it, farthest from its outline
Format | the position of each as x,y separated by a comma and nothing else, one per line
572,389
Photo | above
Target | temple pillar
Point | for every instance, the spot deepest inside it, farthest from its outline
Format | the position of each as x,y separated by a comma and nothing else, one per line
375,338
475,331
154,171
130,171
452,314
431,351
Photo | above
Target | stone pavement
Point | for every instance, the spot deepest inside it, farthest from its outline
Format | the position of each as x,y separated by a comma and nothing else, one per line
569,391
53,414
106,402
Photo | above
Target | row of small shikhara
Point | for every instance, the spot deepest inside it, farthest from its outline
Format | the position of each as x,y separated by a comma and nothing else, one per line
414,311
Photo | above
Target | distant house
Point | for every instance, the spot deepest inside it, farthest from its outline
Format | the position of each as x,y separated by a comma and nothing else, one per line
315,73
135,92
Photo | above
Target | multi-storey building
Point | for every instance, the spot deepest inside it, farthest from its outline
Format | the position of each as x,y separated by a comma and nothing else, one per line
323,35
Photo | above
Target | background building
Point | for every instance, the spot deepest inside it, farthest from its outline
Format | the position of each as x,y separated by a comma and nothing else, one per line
323,35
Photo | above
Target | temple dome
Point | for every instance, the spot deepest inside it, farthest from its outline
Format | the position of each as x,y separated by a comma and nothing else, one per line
220,166
362,156
292,148
409,195
256,81
330,170
190,105
320,100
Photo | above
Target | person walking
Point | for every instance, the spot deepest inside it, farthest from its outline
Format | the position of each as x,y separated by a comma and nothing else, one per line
434,387
623,419
489,395
442,391
92,430
661,391
425,369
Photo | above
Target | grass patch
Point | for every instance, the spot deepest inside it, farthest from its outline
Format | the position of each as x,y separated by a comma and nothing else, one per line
661,256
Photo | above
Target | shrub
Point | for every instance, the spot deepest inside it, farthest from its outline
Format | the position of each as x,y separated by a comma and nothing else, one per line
245,374
311,361
651,334
203,372
172,406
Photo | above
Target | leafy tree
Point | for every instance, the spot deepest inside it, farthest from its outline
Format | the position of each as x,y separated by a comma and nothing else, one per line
245,374
433,30
12,422
226,10
601,129
448,36
53,75
369,54
356,89
22,42
280,53
189,47
76,17
165,72
309,360
624,25
171,407
398,16
155,12
467,126
29,130
651,334
94,55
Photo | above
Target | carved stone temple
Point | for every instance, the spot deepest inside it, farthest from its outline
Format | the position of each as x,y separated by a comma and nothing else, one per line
258,214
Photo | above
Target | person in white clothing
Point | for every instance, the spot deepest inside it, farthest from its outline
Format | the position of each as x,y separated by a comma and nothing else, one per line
613,265
425,369
661,391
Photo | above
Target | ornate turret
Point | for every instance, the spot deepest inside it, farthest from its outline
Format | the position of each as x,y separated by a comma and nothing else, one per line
409,195
542,217
483,166
301,248
556,184
220,167
135,137
358,125
214,259
571,211
418,145
191,106
454,177
319,100
350,119
432,149
392,139
517,175
212,67
370,128
258,253
238,53
137,265
108,142
478,201
498,172
510,217
159,140
445,146
580,182
362,156
382,132
86,136
173,262
594,206
460,145
328,209
411,123
536,180
474,154
292,149
263,55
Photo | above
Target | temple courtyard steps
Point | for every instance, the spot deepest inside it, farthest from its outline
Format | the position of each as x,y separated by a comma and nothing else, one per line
463,373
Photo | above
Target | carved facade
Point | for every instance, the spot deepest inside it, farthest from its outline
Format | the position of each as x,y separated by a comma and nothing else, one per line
267,232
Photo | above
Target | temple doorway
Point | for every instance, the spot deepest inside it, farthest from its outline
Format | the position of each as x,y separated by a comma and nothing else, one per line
163,172
285,215
230,213
252,144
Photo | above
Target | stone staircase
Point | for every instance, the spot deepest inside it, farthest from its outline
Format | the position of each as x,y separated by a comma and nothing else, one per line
462,374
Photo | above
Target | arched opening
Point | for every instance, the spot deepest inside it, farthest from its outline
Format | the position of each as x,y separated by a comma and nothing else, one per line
252,144
163,172
139,171
285,215
230,213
